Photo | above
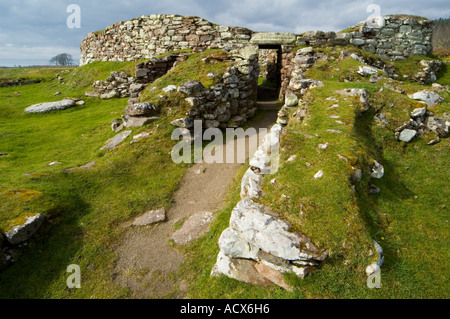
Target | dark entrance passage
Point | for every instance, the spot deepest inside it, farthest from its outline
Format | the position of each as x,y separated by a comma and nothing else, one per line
269,83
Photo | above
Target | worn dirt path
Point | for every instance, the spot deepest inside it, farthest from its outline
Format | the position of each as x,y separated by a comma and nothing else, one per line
147,262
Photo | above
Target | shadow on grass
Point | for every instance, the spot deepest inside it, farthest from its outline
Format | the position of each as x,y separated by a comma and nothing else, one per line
391,187
43,262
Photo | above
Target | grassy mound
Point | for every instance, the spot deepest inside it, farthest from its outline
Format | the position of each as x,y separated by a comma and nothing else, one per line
408,217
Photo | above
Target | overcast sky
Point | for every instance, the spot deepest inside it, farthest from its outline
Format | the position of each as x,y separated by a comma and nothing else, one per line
37,29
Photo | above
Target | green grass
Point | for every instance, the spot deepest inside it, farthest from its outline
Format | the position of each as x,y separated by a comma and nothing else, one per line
84,207
408,218
194,68
32,74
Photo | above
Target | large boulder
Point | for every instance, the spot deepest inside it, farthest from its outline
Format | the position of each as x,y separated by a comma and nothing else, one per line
271,234
50,106
23,232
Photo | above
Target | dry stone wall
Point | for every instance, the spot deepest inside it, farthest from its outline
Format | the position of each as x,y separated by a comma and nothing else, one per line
229,103
149,36
390,37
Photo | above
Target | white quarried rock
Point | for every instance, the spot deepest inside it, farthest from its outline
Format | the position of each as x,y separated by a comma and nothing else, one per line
419,112
266,158
170,89
232,245
291,100
318,175
251,185
367,70
269,233
377,170
50,106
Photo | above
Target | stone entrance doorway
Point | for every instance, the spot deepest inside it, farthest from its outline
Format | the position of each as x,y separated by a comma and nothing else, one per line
271,46
269,83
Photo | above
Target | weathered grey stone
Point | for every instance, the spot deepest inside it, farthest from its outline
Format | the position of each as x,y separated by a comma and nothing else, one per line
22,233
376,170
407,135
429,97
434,141
141,109
232,245
270,233
367,70
50,106
438,125
116,140
291,100
185,122
135,121
151,217
193,228
170,89
419,112
251,185
279,38
191,87
239,269
109,95
136,87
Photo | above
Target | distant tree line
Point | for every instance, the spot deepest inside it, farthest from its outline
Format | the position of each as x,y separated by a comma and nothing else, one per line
62,59
441,36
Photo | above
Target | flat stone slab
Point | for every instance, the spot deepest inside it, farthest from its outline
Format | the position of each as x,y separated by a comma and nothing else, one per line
193,228
407,135
138,121
116,140
50,106
88,165
151,217
273,38
21,233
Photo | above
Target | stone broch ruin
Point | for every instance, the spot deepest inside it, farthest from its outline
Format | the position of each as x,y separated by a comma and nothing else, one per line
257,246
